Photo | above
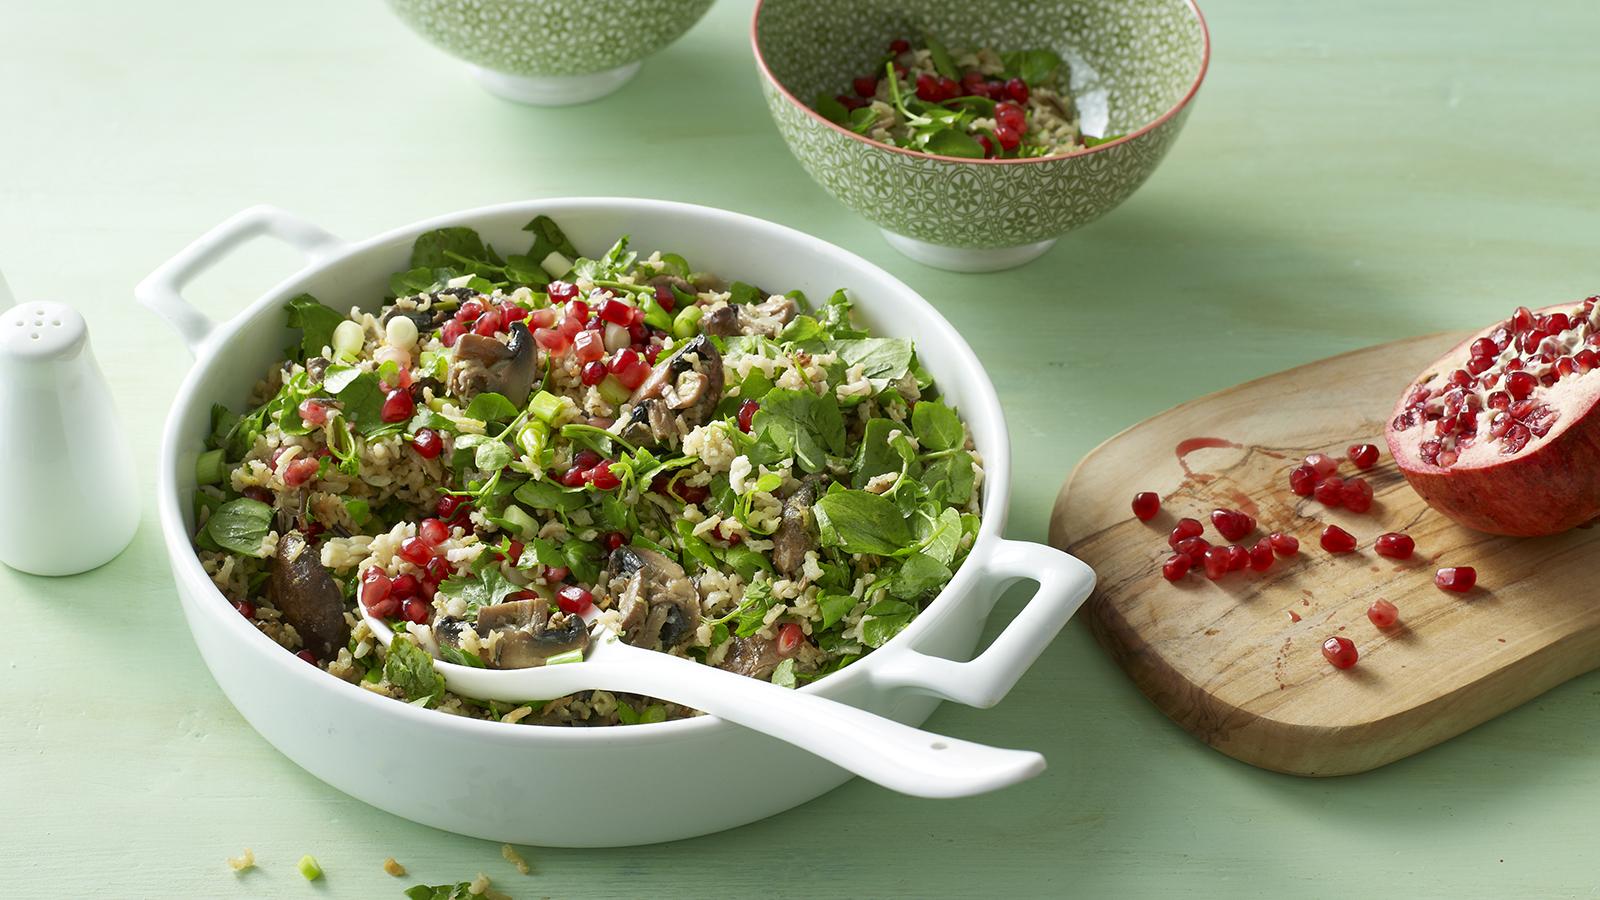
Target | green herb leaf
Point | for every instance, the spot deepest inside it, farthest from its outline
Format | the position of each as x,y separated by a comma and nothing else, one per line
739,292
548,238
434,249
315,321
884,620
799,424
937,426
240,525
548,495
462,891
953,142
492,456
859,522
1091,141
409,668
888,359
783,675
831,109
834,608
880,455
1033,66
483,585
920,574
941,58
950,478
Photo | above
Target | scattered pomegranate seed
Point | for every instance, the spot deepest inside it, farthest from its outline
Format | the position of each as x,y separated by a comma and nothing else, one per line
899,46
614,540
790,637
416,551
1186,528
451,506
375,587
1323,464
1356,495
1009,115
1303,480
398,406
488,324
417,611
1232,524
308,656
1261,556
1216,562
245,608
747,412
1176,567
1195,548
556,574
511,312
404,587
1459,579
1340,651
433,532
469,312
928,89
1331,491
561,291
865,86
1009,138
586,459
1364,456
1238,558
603,478
427,443
451,332
1395,545
1017,90
1283,544
987,145
1337,540
1146,504
593,373
1383,613
574,599
437,570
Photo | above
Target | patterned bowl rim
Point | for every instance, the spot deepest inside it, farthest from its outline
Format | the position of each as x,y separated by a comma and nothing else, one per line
1205,63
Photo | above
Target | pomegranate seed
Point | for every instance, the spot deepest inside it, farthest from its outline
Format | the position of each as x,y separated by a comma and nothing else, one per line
665,298
1176,567
575,477
556,574
614,540
417,611
1009,115
1232,524
313,413
450,507
300,471
1498,400
1395,545
629,368
949,89
574,599
1238,558
469,312
451,332
1216,562
899,46
433,532
1522,319
1356,495
1009,138
427,443
437,570
1331,491
1586,360
1145,504
1484,347
1364,456
1340,651
603,478
510,312
586,459
1459,579
552,340
1303,480
1017,90
615,311
1520,385
1195,548
747,412
1337,540
259,494
1283,544
398,406
1480,364
404,587
1186,528
790,637
593,373
865,86
375,587
561,291
928,89
489,323
1383,613
416,551
1261,556
308,656
987,145
1323,464
245,608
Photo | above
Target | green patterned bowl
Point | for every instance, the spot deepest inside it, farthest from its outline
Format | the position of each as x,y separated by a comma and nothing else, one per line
1135,66
551,52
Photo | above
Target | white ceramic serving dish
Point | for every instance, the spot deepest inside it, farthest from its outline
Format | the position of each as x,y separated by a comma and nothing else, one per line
610,792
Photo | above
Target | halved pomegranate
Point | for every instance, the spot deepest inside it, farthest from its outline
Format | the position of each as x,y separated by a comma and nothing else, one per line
1500,434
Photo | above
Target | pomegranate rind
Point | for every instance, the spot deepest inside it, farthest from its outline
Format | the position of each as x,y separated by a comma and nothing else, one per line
1550,486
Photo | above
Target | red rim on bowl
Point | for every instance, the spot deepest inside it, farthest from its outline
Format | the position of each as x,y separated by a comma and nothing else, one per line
1205,63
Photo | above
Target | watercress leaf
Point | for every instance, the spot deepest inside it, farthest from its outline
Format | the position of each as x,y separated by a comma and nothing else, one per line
694,548
1091,141
337,377
427,418
1033,66
884,620
315,321
941,536
548,238
758,598
460,657
885,358
746,562
491,407
862,120
941,57
783,675
835,318
362,400
953,142
482,585
831,109
432,249
583,559
739,292
879,454
937,426
801,328
860,522
919,575
492,456
420,280
409,667
240,525
950,478
547,495
834,608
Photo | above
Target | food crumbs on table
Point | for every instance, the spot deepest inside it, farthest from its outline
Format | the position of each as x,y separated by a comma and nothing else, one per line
308,868
515,858
393,867
244,861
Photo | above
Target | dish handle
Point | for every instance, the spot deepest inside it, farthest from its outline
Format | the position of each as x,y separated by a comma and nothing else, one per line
1064,583
161,290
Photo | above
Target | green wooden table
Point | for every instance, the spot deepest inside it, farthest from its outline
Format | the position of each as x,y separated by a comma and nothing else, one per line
1354,172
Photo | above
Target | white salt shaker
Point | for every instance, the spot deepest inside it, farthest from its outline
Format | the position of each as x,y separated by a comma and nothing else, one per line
67,484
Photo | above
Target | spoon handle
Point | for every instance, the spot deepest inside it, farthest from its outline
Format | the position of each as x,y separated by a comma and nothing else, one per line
896,756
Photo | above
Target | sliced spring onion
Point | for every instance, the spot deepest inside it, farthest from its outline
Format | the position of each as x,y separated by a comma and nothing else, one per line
614,391
308,868
556,264
519,519
545,406
655,316
571,656
687,323
348,339
208,468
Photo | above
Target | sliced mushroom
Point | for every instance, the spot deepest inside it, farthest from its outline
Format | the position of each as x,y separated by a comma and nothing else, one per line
483,364
755,657
658,605
767,318
683,390
425,319
310,600
795,535
528,633
316,368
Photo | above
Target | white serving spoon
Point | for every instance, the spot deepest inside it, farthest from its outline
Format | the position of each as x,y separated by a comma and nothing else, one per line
897,756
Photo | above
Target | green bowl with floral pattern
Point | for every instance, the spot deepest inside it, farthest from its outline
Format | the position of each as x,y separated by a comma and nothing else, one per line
551,52
1134,67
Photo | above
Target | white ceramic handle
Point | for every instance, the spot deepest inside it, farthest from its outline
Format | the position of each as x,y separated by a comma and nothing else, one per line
161,290
1064,583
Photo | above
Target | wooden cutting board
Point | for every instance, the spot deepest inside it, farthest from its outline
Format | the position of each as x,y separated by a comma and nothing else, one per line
1238,662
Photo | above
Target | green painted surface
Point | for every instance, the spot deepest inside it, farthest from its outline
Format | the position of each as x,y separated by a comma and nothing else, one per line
1353,172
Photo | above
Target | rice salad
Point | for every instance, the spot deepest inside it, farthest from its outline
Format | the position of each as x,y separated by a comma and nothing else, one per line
513,444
